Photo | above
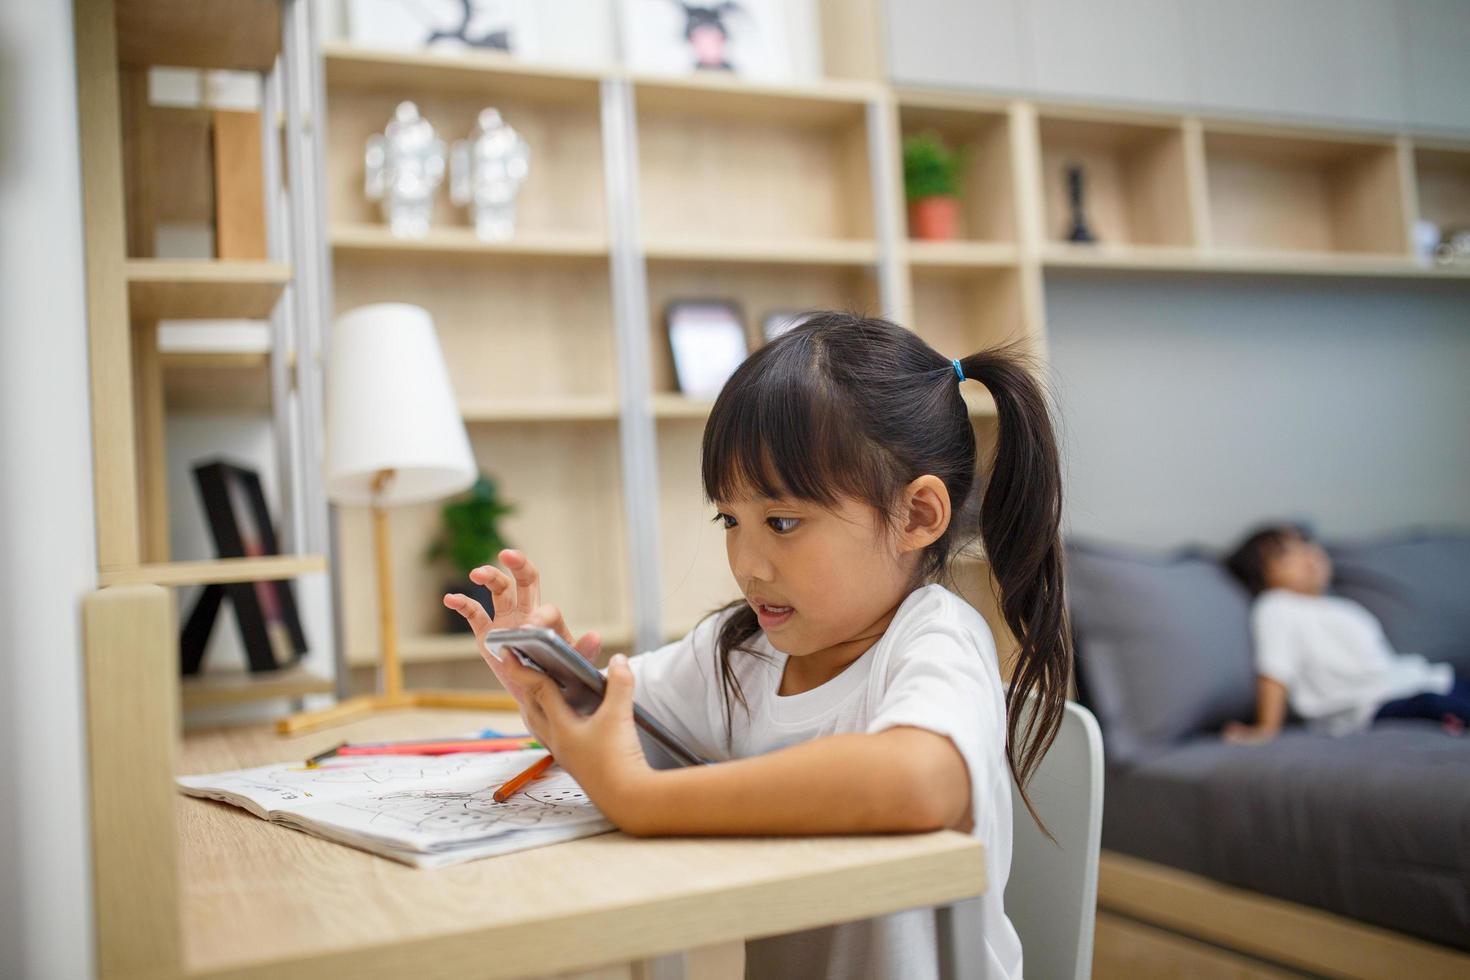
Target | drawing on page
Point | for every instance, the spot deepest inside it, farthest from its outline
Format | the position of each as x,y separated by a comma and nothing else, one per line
454,813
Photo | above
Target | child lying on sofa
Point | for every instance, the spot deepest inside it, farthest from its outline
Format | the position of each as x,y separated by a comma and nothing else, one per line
1326,655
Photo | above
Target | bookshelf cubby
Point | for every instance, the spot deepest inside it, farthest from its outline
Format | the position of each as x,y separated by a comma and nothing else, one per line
960,313
564,481
757,289
1442,184
1136,180
1305,192
749,163
982,138
562,195
510,330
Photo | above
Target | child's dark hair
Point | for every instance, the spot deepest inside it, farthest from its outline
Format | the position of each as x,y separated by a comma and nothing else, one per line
1248,561
849,406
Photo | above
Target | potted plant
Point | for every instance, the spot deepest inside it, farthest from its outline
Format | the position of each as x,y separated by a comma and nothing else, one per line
931,184
469,538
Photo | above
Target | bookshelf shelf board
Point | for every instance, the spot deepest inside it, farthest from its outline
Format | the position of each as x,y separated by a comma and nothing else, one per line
570,409
1264,262
426,648
241,686
265,569
203,289
240,35
961,255
826,102
757,251
377,239
488,74
676,406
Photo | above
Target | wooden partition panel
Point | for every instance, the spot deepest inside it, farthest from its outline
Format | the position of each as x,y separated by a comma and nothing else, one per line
132,743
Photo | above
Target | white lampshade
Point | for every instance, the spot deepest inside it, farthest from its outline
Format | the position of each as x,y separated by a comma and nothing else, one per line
390,405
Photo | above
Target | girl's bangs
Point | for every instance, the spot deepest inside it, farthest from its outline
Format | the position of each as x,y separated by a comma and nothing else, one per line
779,429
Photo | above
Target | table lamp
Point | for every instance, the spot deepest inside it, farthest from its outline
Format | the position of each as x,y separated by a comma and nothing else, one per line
394,436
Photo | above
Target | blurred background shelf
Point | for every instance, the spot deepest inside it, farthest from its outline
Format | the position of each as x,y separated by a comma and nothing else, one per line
378,239
961,255
456,74
264,569
216,381
243,35
241,687
569,409
203,289
760,251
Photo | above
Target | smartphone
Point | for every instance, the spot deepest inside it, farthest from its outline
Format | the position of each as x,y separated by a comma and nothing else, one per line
582,685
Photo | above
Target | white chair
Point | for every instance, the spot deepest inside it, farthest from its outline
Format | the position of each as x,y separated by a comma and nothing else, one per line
1051,896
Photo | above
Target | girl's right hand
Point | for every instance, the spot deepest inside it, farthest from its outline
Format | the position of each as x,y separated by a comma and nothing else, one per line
517,602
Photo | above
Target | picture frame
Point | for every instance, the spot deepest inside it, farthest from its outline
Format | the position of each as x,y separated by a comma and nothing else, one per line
240,523
707,342
770,40
777,322
456,25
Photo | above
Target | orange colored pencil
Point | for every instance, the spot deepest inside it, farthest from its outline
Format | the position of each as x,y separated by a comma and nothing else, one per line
513,786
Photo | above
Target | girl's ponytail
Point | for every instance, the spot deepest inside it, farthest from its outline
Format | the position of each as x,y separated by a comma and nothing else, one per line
1020,518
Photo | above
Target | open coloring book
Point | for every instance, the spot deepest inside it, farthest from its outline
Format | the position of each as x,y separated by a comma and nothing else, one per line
427,811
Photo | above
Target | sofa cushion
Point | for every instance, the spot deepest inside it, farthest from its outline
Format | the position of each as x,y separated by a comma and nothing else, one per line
1418,585
1374,825
1163,645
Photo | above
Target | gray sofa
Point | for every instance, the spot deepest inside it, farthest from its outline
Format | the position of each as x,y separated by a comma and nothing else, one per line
1373,826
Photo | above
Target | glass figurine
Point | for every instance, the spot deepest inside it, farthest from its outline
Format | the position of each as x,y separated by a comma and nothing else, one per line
486,172
404,166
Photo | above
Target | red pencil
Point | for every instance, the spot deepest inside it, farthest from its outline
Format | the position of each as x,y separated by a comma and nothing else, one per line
440,748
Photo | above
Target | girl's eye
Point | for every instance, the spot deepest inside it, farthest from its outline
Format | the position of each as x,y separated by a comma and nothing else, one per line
725,521
783,525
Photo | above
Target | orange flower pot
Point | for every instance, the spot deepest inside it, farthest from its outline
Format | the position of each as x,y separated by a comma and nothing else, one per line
935,219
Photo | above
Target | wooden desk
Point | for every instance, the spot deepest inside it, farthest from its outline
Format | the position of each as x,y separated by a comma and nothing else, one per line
262,900
189,888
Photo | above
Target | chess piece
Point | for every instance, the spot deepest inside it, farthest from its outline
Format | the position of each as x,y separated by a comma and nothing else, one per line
486,172
1079,231
404,166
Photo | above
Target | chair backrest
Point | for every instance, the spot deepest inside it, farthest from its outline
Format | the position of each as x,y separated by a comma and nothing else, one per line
1051,895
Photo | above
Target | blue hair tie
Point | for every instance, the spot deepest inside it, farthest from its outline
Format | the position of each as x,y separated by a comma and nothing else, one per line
959,372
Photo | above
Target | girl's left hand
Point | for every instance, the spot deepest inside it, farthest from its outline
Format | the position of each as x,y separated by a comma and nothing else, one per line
601,750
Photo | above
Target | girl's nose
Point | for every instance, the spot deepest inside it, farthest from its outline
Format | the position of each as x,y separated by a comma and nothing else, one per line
748,563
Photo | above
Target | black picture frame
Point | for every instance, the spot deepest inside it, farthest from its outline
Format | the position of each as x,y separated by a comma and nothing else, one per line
240,523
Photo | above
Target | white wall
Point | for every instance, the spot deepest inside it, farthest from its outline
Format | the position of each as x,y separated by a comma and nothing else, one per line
47,551
1193,408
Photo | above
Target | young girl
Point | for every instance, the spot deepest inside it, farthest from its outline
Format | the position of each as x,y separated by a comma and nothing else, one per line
842,694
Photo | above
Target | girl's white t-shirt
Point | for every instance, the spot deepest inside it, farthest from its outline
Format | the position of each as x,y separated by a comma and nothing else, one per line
1334,660
934,668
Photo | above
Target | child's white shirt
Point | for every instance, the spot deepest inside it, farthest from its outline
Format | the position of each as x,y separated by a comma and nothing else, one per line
934,668
1334,660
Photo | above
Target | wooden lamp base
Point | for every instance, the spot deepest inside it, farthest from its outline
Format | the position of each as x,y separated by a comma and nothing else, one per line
392,697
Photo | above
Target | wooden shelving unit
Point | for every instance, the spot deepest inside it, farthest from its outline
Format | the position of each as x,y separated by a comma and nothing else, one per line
783,198
142,165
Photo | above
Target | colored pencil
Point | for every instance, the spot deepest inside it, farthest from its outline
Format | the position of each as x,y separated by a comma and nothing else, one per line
439,748
513,786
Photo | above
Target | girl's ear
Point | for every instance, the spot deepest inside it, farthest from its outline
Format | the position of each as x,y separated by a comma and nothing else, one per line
925,512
